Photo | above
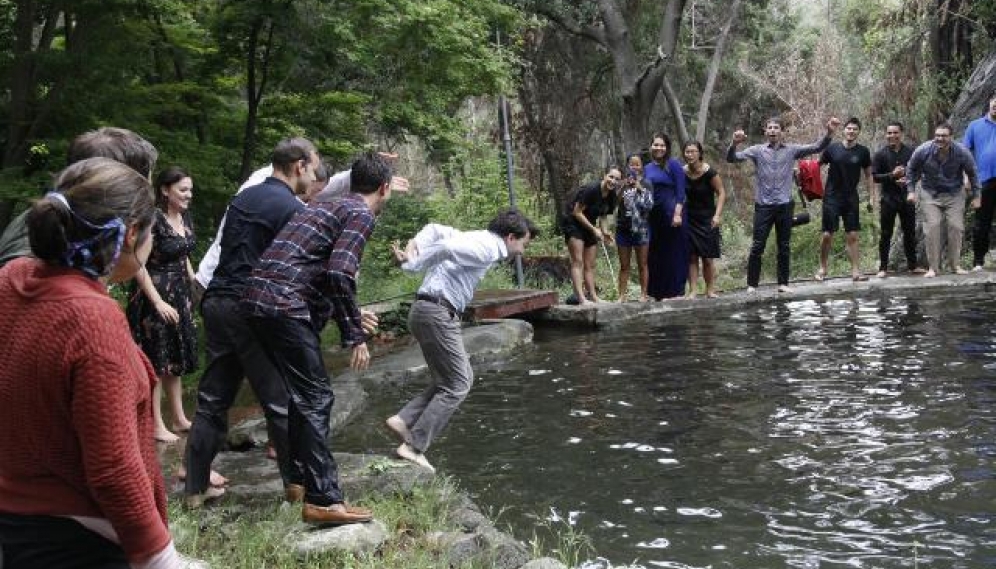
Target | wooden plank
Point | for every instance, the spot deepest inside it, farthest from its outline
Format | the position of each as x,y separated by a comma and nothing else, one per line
501,303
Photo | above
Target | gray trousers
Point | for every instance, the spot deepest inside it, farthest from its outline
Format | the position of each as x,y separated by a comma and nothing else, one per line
439,336
943,209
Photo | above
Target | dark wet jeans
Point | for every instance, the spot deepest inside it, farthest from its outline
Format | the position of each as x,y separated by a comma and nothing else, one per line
51,542
984,223
890,208
233,353
765,216
440,337
295,349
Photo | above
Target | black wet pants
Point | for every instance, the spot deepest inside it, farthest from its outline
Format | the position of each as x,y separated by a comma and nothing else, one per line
233,353
294,347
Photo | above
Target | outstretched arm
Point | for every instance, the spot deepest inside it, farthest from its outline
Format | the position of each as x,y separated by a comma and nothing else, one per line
732,155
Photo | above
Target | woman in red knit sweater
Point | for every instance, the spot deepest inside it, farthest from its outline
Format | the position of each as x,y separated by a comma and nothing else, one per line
80,484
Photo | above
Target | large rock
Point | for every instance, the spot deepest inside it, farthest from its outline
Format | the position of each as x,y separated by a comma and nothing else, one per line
502,551
544,563
353,538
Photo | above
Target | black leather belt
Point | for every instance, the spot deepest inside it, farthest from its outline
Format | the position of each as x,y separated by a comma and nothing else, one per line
437,300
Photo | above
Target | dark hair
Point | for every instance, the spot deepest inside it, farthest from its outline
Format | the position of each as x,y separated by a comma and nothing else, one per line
368,173
290,150
117,144
775,120
82,233
667,142
945,125
854,121
896,124
667,151
511,222
166,178
322,172
696,144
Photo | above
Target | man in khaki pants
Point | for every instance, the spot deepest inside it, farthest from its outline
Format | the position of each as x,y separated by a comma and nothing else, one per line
941,165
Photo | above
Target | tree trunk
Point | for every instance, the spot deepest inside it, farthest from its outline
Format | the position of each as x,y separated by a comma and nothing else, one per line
255,65
973,101
639,91
22,84
717,59
674,105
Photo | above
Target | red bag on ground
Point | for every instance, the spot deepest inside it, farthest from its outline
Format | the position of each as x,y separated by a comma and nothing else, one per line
810,181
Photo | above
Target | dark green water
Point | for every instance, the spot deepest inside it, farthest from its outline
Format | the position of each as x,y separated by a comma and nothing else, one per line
830,433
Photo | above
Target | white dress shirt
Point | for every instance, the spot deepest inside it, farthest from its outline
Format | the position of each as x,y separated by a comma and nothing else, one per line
455,261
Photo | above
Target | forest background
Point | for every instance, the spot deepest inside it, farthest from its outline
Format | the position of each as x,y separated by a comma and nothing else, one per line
214,84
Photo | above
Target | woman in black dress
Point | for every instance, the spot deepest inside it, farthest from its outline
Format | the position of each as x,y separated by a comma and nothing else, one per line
160,311
705,199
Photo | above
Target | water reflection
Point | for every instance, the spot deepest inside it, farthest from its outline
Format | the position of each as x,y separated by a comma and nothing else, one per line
833,433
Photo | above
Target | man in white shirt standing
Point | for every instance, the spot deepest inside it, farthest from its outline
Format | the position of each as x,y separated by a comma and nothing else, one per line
454,262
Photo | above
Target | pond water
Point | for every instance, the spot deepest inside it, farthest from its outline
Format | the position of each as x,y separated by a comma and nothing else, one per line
813,433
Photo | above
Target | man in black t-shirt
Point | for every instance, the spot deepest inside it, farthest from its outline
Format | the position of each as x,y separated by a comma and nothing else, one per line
846,161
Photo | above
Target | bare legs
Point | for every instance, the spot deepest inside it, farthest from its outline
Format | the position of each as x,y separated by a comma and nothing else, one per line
641,265
850,245
583,270
624,258
575,248
693,275
825,242
708,275
174,395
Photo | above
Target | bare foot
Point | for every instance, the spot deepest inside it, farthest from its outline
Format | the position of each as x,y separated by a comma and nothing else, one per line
163,435
194,501
644,298
711,294
181,425
960,271
930,274
880,274
820,275
407,452
623,299
397,426
691,296
595,299
215,479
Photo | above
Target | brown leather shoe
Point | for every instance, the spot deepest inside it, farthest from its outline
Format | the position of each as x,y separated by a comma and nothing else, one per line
294,493
336,514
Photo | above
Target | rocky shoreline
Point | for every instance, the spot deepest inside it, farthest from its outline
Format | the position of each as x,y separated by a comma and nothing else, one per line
255,481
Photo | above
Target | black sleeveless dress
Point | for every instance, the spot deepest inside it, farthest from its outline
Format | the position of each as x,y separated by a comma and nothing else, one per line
701,203
172,348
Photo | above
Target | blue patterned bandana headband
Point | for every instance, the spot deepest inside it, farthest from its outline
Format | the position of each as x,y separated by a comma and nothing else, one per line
82,254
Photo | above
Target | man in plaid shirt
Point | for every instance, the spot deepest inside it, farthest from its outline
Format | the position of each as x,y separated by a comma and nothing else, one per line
306,277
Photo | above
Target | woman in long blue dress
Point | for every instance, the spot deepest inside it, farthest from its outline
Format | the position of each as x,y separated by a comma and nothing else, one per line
668,257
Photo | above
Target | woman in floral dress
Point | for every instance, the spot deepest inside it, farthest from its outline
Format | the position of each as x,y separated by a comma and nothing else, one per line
160,311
